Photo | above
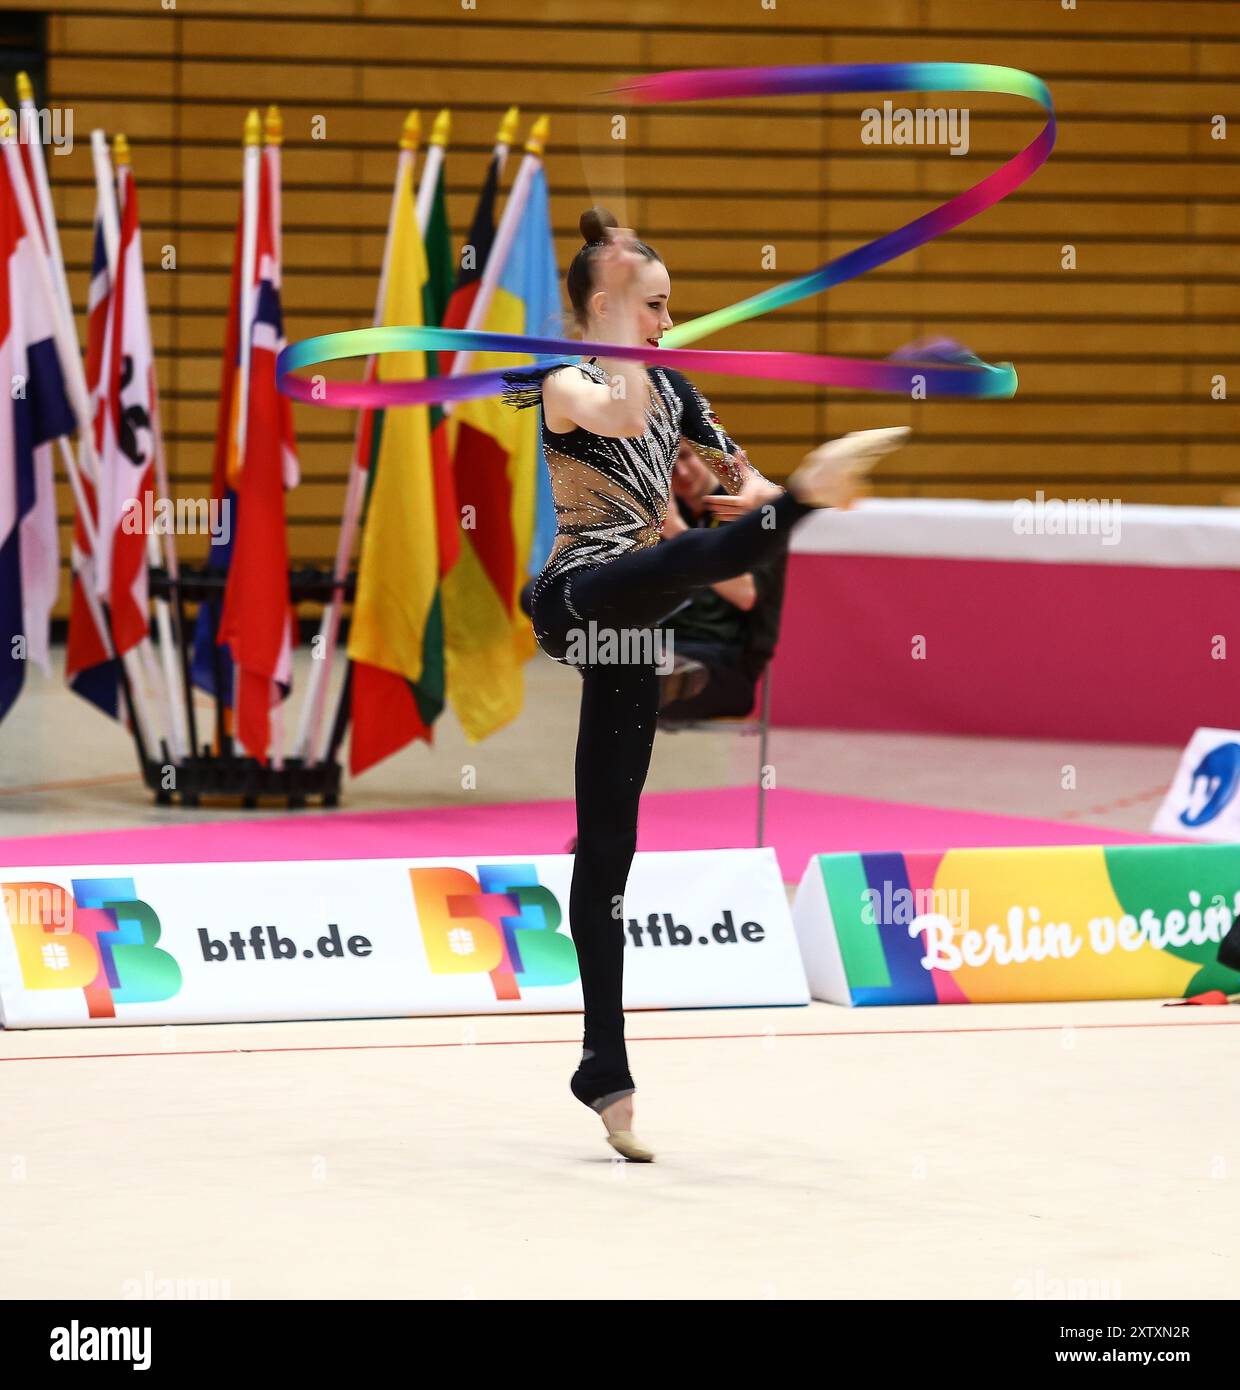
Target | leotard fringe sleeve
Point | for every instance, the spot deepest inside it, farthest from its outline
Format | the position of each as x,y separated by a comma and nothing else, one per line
523,388
702,428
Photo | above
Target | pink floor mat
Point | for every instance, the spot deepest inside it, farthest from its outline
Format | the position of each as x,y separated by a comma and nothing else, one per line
798,824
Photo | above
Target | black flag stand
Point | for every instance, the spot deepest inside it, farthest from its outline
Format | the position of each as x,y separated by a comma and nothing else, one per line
222,772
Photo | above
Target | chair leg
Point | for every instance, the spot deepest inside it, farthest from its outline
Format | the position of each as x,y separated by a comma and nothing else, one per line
764,724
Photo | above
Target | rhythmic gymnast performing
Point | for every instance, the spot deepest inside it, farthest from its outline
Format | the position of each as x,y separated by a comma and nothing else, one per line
611,427
611,430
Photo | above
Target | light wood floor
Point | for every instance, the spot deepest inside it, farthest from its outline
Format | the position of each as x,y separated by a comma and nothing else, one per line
1045,1151
995,1153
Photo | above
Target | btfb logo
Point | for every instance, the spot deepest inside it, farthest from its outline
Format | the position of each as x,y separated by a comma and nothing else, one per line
503,922
99,939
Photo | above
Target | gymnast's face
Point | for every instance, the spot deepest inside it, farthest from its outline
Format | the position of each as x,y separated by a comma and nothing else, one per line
652,287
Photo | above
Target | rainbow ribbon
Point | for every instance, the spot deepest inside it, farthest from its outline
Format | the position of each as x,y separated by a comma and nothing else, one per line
955,372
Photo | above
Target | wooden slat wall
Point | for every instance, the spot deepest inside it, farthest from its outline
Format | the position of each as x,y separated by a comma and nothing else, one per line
1115,358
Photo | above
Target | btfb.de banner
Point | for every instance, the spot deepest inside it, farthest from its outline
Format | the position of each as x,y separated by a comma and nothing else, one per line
372,938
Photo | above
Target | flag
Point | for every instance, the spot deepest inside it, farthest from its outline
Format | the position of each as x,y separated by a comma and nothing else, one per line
127,453
501,484
97,309
40,551
477,250
396,636
36,413
257,619
454,313
437,294
441,273
209,656
89,670
535,280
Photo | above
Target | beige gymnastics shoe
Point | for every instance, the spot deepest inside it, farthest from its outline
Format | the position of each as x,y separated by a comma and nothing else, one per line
625,1142
833,474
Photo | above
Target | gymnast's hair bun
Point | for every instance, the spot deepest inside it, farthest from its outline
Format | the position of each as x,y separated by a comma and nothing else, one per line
594,223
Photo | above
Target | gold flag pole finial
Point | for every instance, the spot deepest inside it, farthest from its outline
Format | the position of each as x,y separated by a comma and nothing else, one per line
25,91
411,131
273,127
442,127
538,136
120,152
253,129
508,127
6,120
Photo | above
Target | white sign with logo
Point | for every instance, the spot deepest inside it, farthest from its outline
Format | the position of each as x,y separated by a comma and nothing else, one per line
372,938
1203,802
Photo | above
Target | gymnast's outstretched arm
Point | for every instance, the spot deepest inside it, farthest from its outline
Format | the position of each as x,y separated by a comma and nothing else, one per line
717,449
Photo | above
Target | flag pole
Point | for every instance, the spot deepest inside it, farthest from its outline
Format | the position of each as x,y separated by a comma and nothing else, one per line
182,682
92,581
504,139
273,138
73,466
250,171
169,686
249,249
171,648
440,132
143,655
493,270
330,630
507,134
329,625
70,360
139,662
51,241
43,193
506,233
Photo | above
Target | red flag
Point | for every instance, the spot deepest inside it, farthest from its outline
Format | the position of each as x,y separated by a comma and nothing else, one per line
257,621
89,669
127,457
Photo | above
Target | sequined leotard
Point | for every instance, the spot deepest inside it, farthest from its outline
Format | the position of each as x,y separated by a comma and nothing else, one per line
611,495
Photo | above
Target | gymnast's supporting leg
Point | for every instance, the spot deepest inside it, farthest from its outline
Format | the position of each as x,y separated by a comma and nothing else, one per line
619,708
619,711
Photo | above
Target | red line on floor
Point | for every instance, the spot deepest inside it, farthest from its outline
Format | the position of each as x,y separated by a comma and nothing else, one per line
669,1037
1156,795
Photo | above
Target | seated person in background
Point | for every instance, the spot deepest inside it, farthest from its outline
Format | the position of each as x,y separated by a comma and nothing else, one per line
723,636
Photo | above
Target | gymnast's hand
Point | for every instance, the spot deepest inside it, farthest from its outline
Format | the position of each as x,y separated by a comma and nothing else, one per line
755,492
619,262
673,523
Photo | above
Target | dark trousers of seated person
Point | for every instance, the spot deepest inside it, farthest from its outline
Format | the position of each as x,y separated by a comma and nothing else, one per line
729,692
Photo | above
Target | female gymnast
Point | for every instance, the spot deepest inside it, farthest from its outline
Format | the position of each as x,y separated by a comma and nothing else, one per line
611,430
